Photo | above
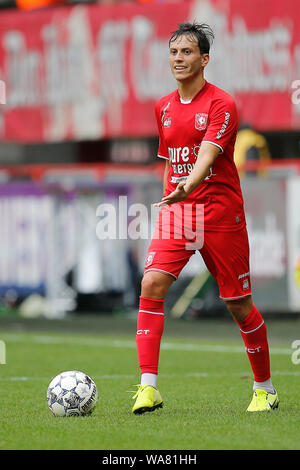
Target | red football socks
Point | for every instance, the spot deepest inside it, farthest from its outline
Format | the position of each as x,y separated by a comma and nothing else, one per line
254,334
150,326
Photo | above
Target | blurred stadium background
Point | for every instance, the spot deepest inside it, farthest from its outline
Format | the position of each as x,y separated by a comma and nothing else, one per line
78,85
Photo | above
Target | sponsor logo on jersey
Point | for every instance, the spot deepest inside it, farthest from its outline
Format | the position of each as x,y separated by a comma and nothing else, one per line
224,126
201,121
182,161
178,179
179,154
164,112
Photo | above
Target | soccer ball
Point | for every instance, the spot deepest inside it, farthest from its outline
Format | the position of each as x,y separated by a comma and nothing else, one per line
72,393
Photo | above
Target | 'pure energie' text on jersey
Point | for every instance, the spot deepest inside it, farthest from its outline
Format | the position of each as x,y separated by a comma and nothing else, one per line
210,117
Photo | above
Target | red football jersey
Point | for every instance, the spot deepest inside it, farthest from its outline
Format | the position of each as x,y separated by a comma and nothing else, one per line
210,117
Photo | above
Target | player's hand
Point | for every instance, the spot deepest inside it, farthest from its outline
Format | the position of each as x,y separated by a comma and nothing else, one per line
176,196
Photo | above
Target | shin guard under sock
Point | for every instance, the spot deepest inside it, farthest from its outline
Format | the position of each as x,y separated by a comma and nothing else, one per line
150,326
254,334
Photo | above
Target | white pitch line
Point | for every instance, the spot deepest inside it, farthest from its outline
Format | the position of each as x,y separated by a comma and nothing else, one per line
202,375
168,346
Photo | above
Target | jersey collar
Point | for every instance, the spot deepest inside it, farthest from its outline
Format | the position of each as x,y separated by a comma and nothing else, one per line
196,97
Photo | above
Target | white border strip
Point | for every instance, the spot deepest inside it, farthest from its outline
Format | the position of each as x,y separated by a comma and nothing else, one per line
213,143
238,297
195,375
153,313
161,156
251,331
161,271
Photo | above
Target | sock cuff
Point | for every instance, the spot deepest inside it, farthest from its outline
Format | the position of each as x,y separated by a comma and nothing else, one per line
252,322
151,305
151,300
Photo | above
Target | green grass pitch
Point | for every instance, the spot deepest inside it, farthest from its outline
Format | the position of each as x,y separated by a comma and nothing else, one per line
205,381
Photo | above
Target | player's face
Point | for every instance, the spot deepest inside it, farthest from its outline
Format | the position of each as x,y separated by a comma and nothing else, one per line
185,59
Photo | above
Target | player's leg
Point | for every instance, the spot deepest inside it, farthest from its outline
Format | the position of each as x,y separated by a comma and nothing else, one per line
156,284
254,334
240,308
150,327
167,256
227,257
150,323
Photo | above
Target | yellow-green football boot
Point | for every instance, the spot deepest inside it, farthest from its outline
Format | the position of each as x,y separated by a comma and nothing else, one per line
147,399
263,401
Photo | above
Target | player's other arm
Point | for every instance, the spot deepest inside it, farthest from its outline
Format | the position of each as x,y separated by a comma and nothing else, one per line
163,148
166,174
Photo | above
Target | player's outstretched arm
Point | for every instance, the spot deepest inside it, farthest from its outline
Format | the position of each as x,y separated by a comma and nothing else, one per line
206,157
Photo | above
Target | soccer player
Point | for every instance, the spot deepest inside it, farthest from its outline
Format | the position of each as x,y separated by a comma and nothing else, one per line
197,125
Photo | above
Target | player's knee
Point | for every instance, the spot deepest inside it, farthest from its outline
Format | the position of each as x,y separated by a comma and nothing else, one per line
240,308
155,286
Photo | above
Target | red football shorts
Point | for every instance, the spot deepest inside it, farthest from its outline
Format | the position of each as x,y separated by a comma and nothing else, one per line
226,255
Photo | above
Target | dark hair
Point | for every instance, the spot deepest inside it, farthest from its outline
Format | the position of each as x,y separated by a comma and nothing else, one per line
201,31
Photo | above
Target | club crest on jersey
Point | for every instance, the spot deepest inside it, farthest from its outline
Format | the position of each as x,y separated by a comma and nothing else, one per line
201,121
150,259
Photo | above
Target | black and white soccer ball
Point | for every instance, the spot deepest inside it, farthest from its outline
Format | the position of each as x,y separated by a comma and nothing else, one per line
72,393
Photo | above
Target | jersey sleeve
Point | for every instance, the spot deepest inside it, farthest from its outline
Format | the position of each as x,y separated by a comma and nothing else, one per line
222,124
162,149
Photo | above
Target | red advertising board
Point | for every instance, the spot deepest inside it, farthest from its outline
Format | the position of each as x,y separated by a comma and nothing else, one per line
93,71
